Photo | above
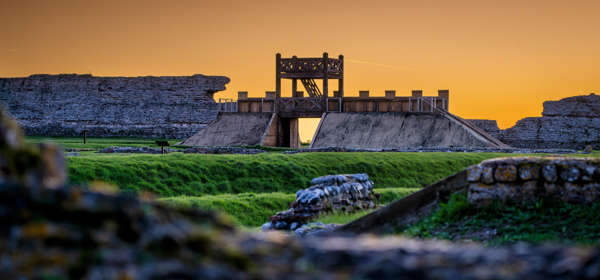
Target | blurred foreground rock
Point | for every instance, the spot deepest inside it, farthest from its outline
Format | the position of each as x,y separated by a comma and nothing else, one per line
50,231
31,165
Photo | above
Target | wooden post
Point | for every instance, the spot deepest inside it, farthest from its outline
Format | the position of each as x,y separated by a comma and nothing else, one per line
294,87
294,81
84,136
325,79
341,79
277,81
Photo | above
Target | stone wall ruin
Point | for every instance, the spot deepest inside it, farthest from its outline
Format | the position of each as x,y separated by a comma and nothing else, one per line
527,179
569,123
67,104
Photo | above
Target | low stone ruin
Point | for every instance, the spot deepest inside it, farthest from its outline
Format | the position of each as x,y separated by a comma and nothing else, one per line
222,150
573,180
345,193
192,150
434,150
68,104
134,150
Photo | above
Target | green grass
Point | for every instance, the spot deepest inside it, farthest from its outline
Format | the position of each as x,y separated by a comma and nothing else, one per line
544,221
342,218
252,210
246,209
97,143
197,174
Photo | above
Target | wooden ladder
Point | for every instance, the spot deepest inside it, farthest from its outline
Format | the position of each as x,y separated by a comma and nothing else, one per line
311,87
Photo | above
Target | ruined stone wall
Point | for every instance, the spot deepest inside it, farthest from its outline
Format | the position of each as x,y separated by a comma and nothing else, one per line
527,179
570,123
64,105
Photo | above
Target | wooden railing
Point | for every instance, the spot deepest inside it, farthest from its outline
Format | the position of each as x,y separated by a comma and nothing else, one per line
311,65
314,106
397,104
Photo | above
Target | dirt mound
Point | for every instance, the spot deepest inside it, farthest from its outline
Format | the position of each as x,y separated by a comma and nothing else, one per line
232,129
396,130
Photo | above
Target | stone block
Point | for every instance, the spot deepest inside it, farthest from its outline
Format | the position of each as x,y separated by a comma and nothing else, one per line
529,190
529,172
573,193
590,192
480,194
506,173
570,174
474,173
588,173
363,94
417,93
549,172
551,189
487,175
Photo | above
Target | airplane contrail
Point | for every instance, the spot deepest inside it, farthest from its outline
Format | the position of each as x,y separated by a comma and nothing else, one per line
374,64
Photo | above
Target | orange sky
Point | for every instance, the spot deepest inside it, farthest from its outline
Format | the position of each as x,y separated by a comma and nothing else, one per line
500,59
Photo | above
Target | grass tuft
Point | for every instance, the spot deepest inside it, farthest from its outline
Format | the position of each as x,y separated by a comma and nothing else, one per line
542,221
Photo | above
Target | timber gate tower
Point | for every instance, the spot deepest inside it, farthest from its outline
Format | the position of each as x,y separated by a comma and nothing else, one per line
281,111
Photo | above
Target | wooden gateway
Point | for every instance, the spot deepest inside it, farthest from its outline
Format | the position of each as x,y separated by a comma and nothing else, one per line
316,102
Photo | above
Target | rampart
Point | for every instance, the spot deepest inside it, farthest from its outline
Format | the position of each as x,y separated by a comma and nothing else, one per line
68,104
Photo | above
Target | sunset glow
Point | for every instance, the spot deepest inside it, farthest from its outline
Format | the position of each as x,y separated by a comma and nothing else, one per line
500,59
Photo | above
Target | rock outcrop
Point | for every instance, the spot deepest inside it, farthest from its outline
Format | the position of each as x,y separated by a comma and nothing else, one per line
331,193
569,123
65,105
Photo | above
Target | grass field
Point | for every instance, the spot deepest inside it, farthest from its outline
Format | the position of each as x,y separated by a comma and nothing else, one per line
198,174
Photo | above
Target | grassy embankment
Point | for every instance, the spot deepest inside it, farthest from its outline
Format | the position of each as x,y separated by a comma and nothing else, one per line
197,174
543,221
